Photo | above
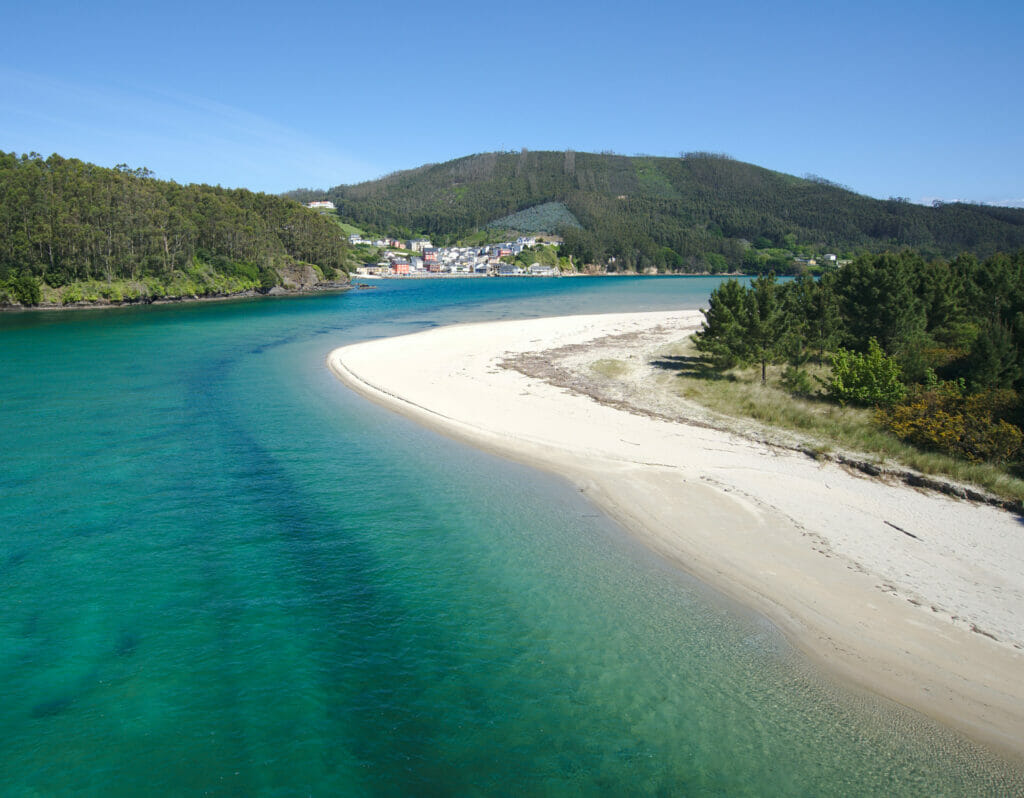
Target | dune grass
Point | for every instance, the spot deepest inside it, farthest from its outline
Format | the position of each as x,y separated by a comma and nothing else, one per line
739,394
609,367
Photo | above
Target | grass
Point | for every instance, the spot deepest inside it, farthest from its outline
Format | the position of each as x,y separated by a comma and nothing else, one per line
349,229
610,368
739,394
346,228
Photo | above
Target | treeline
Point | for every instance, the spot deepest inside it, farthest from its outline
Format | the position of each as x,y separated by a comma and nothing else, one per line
698,212
63,221
936,345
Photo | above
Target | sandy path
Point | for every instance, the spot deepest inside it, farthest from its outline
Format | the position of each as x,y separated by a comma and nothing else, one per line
915,595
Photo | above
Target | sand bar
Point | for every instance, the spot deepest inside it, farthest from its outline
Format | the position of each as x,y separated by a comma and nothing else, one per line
912,594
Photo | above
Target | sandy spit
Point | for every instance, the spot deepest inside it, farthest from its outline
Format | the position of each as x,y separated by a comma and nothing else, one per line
911,594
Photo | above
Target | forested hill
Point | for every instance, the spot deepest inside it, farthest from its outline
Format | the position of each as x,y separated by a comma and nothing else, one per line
694,212
73,232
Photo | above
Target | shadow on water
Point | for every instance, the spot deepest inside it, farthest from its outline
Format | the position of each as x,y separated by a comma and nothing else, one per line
341,592
691,366
53,706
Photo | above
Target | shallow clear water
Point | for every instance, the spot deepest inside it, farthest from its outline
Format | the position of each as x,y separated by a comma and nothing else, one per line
224,573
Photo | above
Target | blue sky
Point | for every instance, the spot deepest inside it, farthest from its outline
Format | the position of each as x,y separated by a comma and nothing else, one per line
915,99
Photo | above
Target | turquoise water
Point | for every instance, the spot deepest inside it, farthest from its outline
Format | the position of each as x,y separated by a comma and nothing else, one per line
223,573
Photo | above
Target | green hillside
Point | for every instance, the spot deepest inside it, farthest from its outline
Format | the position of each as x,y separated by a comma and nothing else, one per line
690,213
74,232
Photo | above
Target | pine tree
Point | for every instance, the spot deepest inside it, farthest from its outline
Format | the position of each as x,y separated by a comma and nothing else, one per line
744,326
767,323
993,361
722,336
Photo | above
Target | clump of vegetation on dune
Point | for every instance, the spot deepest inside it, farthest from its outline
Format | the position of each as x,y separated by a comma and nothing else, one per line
916,361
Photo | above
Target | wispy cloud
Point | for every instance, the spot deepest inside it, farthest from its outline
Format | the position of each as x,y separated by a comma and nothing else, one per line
181,137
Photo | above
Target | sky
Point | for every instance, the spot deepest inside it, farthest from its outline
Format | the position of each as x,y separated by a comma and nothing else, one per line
923,100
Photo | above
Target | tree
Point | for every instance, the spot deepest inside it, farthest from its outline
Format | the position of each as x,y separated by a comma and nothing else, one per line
993,361
767,323
877,300
813,310
64,221
721,337
744,326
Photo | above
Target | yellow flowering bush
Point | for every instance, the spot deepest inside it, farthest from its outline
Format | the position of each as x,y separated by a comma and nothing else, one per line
968,426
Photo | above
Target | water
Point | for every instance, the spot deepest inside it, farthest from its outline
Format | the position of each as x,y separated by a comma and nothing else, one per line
223,573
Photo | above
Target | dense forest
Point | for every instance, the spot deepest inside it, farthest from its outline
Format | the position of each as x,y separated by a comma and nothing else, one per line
72,231
698,212
936,346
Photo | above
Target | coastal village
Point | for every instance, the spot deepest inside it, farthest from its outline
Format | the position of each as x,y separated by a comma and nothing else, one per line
419,257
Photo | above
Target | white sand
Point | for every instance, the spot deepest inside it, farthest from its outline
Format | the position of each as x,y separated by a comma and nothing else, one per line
934,621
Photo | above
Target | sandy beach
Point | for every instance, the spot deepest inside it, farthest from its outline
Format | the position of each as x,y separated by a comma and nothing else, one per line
909,593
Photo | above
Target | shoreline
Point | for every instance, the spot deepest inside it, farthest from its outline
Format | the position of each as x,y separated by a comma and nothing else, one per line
136,303
447,276
933,620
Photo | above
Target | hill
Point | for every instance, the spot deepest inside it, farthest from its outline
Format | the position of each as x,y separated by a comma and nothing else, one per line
699,211
72,232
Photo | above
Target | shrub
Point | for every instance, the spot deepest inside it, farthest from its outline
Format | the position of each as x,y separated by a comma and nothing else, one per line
72,294
944,419
872,378
268,279
25,289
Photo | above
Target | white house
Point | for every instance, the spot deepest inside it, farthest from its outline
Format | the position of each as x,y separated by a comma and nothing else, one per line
542,271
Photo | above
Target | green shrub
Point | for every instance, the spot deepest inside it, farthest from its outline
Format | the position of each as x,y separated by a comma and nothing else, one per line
872,378
25,289
72,294
268,279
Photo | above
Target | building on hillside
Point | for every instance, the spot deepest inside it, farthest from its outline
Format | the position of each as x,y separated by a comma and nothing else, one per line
375,269
321,204
540,270
401,267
